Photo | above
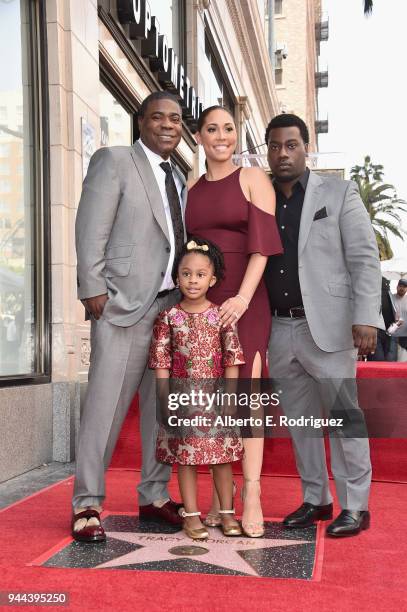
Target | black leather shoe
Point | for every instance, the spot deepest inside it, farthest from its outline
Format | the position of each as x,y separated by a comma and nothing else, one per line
307,514
349,523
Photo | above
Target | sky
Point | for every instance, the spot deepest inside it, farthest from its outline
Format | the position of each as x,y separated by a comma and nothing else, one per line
366,100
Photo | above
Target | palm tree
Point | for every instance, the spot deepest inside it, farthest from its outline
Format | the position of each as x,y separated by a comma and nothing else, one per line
381,203
368,7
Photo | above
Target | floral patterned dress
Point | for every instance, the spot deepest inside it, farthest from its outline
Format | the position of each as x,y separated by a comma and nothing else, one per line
195,349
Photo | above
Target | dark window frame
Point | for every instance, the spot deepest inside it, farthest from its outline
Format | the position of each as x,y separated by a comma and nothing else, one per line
38,55
278,7
118,91
278,70
182,20
218,68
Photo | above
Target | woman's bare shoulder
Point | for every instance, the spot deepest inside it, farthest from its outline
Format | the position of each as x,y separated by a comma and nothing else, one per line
257,184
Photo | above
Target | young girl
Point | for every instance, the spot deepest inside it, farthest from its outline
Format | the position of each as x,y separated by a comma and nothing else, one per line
189,342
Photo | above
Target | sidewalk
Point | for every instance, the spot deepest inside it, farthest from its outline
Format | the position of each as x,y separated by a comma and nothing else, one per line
22,486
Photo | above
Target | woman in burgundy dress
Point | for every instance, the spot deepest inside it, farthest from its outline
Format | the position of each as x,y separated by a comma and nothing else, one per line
234,208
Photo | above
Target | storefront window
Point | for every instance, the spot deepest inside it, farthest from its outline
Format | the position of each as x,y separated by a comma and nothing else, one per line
116,124
20,301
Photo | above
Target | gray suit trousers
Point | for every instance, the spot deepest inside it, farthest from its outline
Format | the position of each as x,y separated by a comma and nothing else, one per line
318,383
118,369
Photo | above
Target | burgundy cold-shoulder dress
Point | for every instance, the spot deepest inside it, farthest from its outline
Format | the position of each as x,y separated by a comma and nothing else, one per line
218,211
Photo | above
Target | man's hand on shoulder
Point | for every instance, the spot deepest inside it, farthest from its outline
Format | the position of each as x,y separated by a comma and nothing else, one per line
95,305
364,338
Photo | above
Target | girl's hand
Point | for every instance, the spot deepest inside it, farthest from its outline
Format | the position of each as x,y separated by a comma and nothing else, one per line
232,309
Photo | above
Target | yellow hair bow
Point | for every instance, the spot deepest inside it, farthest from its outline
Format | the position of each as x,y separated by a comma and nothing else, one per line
192,245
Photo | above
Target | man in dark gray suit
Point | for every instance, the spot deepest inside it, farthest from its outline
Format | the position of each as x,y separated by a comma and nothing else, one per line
129,228
325,294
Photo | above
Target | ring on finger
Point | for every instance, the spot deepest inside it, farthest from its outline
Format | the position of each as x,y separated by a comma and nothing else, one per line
235,313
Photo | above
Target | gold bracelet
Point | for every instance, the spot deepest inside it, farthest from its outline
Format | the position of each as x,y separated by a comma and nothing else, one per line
245,302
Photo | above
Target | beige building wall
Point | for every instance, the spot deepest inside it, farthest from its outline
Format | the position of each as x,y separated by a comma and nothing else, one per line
240,29
41,421
237,27
73,65
295,28
73,73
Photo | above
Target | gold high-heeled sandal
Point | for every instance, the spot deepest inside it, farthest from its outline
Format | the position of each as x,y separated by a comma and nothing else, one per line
256,529
231,530
213,519
199,533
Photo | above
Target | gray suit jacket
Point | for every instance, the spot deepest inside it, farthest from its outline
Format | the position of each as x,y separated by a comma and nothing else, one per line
338,263
122,239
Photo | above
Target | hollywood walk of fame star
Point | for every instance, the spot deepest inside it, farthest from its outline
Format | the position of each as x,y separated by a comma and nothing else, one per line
216,550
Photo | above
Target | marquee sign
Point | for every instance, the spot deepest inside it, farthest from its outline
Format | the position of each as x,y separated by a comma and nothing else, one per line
142,25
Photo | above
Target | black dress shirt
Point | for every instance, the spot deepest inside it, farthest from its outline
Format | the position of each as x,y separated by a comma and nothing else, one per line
281,276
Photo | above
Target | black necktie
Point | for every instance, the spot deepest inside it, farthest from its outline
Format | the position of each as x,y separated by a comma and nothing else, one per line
175,207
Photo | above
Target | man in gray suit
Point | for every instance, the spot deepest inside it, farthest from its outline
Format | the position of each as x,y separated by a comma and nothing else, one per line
325,294
129,228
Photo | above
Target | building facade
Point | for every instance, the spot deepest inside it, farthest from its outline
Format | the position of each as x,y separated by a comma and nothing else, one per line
297,27
77,74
